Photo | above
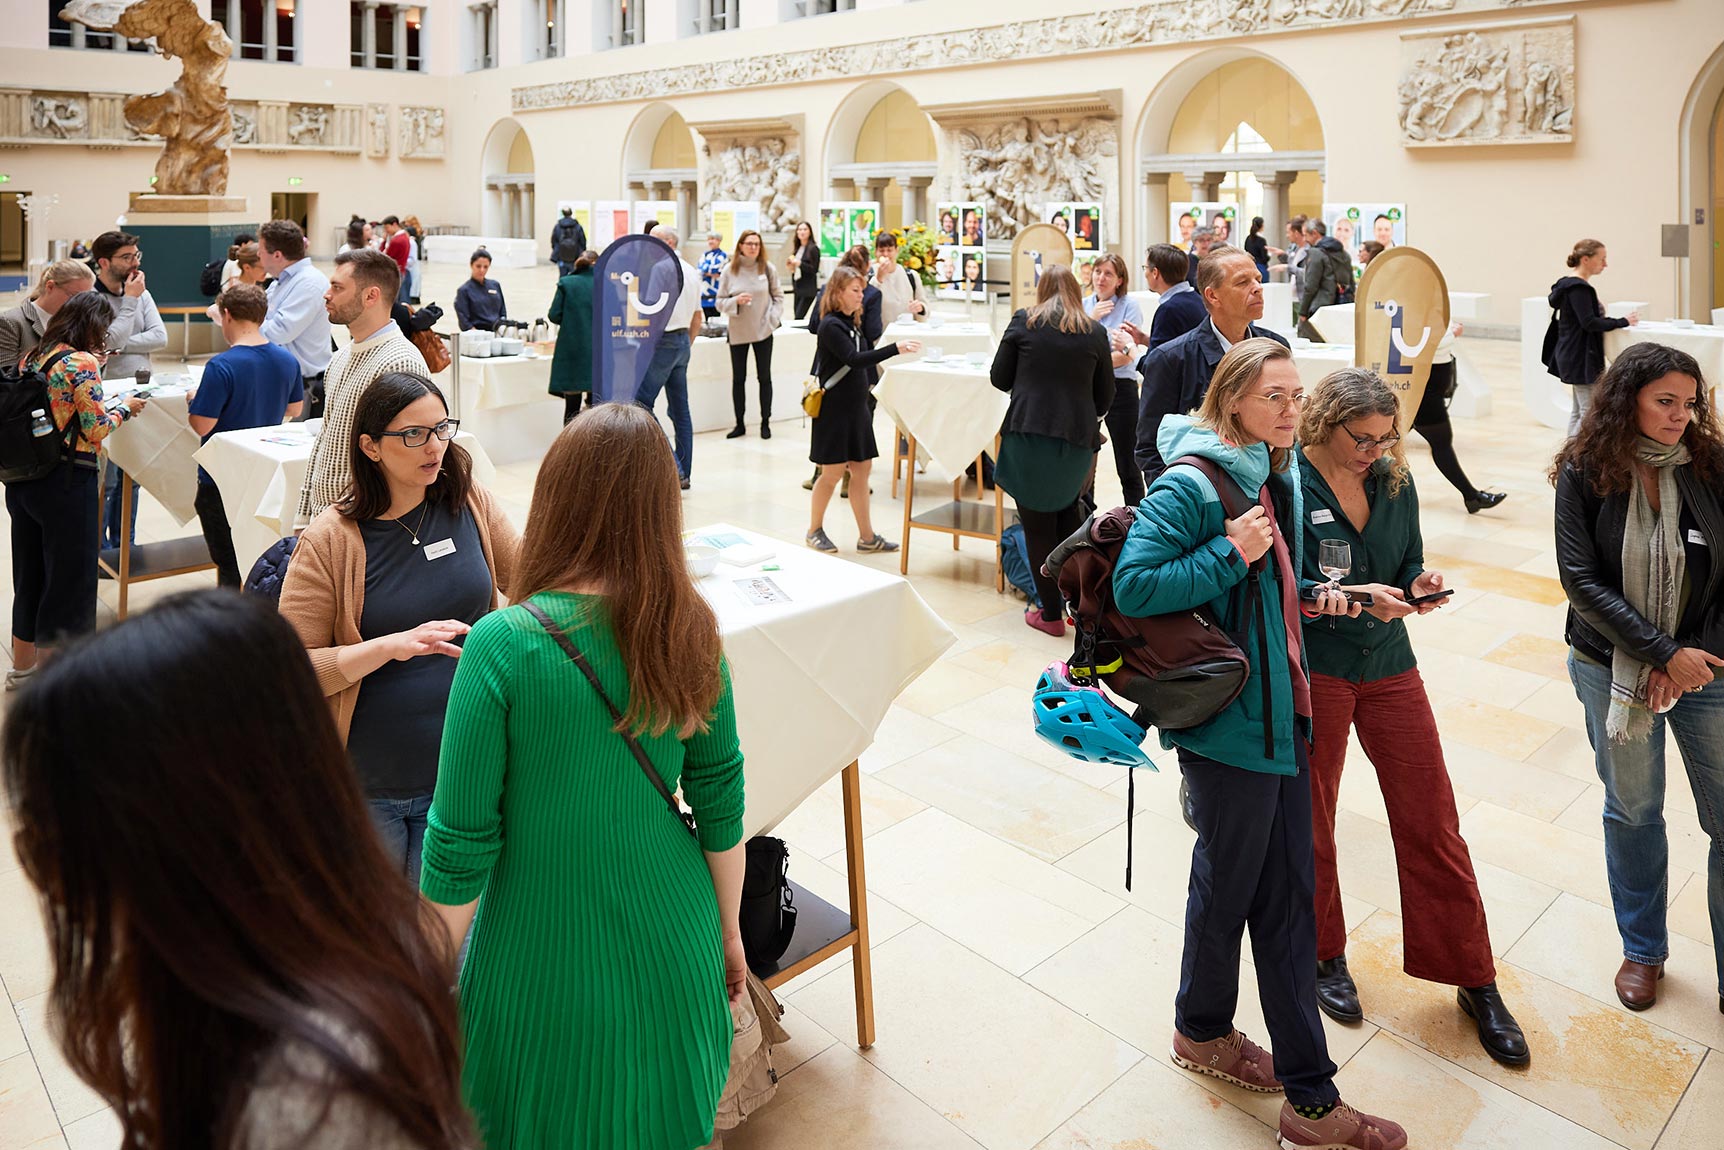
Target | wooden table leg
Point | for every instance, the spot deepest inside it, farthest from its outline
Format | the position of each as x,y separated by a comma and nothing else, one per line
861,960
126,513
909,504
999,526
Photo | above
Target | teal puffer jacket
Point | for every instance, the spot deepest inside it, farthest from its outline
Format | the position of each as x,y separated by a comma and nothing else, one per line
1178,557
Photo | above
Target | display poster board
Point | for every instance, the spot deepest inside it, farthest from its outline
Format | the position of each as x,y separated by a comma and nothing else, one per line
1186,216
1083,266
1081,223
846,223
610,220
961,260
1036,248
583,214
1354,223
1399,317
649,212
730,218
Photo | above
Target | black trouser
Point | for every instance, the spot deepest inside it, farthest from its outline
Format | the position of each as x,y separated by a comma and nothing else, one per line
1432,422
313,408
54,554
1043,531
739,378
572,404
1252,867
218,536
1122,436
804,298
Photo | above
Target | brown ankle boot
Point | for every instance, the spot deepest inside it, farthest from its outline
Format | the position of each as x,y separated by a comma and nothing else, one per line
1637,983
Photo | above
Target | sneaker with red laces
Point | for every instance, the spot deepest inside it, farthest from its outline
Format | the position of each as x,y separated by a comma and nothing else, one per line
1343,1128
1235,1059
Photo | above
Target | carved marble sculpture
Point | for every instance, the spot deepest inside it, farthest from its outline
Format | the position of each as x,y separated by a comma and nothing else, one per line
421,132
244,127
377,144
193,115
765,170
1502,84
60,117
1016,166
310,121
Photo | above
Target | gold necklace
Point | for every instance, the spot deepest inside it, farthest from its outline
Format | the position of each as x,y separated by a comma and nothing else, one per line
414,530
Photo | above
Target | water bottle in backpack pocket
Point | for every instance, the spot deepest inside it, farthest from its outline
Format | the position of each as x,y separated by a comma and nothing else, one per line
31,446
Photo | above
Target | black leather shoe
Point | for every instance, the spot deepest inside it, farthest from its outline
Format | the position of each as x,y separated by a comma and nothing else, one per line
765,429
1484,500
736,432
1499,1033
1336,995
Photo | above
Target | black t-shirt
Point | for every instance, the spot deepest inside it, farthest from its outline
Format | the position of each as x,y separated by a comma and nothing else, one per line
397,728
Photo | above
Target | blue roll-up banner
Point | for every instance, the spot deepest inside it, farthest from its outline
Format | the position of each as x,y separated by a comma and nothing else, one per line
636,283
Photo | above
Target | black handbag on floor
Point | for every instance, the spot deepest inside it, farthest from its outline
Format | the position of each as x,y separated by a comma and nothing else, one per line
768,918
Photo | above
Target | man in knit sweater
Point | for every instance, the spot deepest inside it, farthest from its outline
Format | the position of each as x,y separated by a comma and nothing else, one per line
361,293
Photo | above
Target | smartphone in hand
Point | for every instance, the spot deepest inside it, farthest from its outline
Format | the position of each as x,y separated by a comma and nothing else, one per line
1431,598
1363,598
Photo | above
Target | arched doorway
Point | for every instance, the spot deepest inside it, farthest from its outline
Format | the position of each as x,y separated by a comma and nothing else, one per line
880,146
507,203
659,161
1236,128
1702,192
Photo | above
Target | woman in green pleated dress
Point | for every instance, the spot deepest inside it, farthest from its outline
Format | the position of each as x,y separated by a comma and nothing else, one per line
594,997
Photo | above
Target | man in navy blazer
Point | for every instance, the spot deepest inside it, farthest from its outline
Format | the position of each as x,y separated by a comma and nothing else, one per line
1180,308
1176,375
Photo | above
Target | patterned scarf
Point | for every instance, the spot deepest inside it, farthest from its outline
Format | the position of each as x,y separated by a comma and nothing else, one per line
1653,567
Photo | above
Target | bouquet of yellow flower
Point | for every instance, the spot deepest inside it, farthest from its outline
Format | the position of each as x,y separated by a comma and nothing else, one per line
916,251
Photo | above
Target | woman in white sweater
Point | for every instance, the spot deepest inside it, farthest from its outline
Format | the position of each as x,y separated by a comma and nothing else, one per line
748,293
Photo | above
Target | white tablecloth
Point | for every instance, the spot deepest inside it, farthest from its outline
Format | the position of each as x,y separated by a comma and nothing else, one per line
505,401
950,407
1316,360
815,673
709,402
155,447
260,472
951,338
1702,341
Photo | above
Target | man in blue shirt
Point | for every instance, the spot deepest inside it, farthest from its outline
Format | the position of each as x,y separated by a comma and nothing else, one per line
712,262
297,317
254,383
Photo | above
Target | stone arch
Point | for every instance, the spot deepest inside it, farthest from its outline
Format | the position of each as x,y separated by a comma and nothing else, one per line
660,161
507,175
880,145
1702,190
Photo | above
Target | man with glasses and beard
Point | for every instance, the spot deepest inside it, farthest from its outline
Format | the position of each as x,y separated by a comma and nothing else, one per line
136,331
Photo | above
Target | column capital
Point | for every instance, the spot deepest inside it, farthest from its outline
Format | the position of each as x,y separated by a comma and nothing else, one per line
1277,179
1156,179
1200,176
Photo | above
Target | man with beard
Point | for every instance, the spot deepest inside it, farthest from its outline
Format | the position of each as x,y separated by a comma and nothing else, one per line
360,295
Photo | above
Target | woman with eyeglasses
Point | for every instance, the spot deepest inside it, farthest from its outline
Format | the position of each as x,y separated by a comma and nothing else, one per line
383,585
1246,766
1359,497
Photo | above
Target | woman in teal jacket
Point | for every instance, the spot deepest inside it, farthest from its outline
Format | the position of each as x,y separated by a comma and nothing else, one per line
572,311
1246,768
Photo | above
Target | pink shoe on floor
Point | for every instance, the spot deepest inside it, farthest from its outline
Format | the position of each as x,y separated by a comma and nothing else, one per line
1234,1059
1054,627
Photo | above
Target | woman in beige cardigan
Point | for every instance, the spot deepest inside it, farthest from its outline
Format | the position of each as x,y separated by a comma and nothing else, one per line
748,293
383,585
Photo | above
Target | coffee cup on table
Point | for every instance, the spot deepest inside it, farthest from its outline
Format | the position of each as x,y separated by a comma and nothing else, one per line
933,354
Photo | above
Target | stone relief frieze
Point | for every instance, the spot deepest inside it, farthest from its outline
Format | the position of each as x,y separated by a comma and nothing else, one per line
1492,84
59,117
1156,22
244,123
307,123
421,133
1017,164
765,169
102,120
377,128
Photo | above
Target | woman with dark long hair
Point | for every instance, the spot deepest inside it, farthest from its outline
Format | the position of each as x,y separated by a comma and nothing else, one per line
804,266
1639,536
594,994
229,972
381,588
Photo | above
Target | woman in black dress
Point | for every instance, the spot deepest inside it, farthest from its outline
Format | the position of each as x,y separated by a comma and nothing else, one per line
842,439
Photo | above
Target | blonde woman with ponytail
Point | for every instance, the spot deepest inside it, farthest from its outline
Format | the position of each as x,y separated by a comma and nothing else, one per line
21,328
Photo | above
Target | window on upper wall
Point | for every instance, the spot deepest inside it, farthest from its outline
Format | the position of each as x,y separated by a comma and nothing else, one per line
626,25
65,34
702,16
482,36
259,29
388,37
796,8
548,27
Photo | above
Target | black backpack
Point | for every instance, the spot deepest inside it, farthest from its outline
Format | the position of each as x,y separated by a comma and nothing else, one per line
1547,350
209,280
24,454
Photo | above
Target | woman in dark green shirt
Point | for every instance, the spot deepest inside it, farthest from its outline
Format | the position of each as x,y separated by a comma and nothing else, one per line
1358,491
572,312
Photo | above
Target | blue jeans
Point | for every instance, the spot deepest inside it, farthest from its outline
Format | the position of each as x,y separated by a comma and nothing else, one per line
1636,848
111,506
401,825
668,372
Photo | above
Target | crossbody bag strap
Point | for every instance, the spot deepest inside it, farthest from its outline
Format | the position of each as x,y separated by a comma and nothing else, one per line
634,745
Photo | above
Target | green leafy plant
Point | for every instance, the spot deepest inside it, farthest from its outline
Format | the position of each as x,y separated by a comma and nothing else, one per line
916,251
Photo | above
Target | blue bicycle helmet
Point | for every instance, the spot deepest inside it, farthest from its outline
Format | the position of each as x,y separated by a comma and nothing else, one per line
1084,723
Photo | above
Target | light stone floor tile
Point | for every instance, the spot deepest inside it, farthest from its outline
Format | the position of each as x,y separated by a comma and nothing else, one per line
1447,630
1479,679
11,1034
1002,718
1555,702
1023,803
1689,914
999,1059
1581,1049
72,1099
1699,1122
1488,726
1570,752
1157,1106
903,733
1007,906
817,826
1555,856
839,1101
1443,1105
1511,783
1517,614
27,1119
100,1131
24,961
1535,654
942,686
1576,943
807,1038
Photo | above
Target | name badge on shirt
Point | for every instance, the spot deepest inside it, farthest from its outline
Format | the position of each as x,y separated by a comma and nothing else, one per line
439,549
1694,536
1322,515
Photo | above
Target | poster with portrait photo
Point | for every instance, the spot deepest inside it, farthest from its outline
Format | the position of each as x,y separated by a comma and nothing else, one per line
1223,222
949,271
1083,266
1354,223
1081,223
973,263
834,230
948,221
1185,217
972,226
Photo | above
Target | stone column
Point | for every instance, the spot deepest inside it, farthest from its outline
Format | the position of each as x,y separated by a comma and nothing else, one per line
399,27
685,205
368,35
117,42
78,36
560,15
271,29
530,195
1205,185
874,188
916,198
236,28
1277,205
1152,229
616,24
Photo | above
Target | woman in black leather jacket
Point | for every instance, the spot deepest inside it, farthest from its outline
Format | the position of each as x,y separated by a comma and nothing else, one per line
1640,548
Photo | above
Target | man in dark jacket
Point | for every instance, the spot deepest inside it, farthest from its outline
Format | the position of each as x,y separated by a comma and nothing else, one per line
1328,275
1176,375
568,241
1179,308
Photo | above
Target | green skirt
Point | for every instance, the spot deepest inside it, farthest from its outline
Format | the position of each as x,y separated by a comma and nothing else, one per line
1042,473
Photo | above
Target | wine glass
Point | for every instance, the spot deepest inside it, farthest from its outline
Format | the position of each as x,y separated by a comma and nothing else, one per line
1335,559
